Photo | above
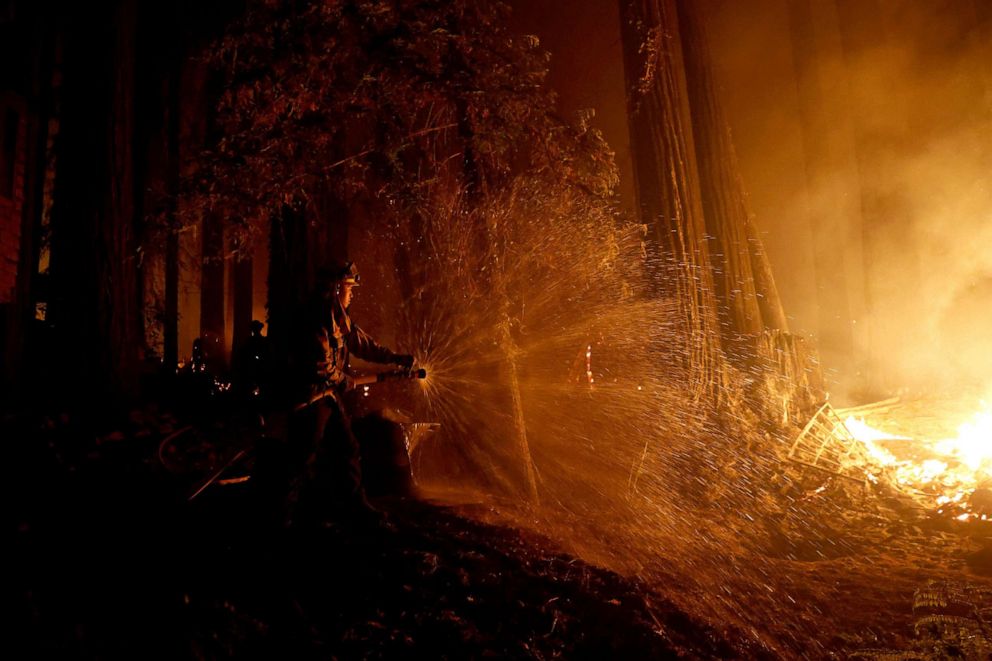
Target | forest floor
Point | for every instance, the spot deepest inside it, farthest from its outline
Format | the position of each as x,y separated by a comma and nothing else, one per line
109,561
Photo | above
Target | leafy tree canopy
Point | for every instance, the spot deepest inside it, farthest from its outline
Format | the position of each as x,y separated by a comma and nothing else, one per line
381,98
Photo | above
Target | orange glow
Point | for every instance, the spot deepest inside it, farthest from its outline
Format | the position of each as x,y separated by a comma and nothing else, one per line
947,470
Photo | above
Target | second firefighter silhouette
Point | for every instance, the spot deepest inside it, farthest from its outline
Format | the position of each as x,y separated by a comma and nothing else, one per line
331,483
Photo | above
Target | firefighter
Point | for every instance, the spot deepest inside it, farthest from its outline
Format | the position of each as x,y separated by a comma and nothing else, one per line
253,363
331,481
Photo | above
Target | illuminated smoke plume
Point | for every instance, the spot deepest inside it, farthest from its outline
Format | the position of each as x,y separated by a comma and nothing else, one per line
892,205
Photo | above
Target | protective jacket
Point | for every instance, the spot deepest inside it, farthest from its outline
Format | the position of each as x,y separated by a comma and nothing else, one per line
335,337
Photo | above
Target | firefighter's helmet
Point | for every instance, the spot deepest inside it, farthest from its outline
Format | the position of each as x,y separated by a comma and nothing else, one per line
342,273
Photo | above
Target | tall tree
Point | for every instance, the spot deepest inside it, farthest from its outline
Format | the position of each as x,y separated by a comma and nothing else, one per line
832,185
158,107
95,307
888,249
666,174
747,296
28,47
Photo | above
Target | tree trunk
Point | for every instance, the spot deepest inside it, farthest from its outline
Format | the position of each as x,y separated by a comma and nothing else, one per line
833,210
243,283
95,308
40,109
212,301
493,240
193,117
509,366
170,334
157,174
733,249
891,256
288,281
667,180
769,302
120,312
722,191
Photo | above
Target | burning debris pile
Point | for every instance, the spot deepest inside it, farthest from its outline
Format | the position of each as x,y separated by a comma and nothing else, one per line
934,450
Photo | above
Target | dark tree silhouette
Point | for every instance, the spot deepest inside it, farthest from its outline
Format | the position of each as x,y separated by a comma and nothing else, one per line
95,309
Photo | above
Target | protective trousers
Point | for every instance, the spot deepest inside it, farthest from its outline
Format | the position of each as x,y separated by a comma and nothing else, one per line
331,481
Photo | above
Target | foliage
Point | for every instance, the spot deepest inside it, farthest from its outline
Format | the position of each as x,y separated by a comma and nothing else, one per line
364,99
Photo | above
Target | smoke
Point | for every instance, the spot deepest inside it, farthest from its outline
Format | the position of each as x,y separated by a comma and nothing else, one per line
948,315
865,132
925,123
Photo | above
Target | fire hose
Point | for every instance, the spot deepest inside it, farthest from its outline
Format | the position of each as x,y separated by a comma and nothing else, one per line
392,375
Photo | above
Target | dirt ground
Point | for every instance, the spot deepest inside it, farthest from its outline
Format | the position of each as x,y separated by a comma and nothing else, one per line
109,560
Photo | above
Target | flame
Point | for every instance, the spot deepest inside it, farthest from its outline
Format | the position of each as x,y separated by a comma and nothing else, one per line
972,445
868,436
949,468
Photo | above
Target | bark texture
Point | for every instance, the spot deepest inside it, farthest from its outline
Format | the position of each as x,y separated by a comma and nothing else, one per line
748,299
666,175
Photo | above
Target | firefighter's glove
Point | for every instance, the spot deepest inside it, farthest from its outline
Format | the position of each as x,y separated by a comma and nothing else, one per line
406,361
348,384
